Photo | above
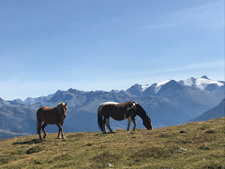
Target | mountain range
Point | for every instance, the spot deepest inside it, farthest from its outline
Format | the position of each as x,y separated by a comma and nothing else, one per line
167,103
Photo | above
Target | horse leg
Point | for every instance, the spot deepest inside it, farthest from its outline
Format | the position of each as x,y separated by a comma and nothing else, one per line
128,124
59,137
63,137
60,131
135,124
39,128
107,123
43,128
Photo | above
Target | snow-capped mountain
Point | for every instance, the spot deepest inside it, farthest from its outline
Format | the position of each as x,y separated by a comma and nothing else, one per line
157,86
167,103
201,83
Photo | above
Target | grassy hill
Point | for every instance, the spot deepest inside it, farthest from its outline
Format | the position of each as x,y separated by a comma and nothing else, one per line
193,145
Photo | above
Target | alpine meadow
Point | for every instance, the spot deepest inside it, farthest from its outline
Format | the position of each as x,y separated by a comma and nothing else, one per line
194,145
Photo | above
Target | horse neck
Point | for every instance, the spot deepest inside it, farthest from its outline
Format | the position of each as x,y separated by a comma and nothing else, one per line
56,109
141,113
142,116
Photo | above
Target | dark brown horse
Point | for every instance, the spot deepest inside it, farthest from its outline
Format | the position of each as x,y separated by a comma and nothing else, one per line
50,115
121,111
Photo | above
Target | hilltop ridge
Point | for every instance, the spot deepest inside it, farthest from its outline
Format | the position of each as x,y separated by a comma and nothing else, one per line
193,145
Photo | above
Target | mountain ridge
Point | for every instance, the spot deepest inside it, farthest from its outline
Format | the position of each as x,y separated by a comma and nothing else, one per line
216,112
173,103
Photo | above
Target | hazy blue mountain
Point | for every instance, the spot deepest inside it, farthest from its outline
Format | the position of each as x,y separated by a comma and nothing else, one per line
216,112
135,90
167,103
16,117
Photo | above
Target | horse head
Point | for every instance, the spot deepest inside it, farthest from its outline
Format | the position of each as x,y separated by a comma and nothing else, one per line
62,109
147,123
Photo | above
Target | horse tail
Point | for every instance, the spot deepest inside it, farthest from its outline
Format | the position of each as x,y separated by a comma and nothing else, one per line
100,118
38,122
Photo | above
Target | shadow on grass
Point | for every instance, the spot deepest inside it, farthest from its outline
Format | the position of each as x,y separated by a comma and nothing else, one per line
34,141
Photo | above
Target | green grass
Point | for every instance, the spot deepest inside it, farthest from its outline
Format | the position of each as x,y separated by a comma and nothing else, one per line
193,145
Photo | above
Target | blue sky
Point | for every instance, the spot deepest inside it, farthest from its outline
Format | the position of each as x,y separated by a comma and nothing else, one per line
51,45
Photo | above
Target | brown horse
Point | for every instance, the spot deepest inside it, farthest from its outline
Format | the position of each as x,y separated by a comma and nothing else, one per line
121,111
50,115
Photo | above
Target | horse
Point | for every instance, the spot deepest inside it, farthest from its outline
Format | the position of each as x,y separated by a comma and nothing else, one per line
121,111
50,115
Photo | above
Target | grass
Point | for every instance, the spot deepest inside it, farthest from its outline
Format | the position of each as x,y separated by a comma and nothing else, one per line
193,145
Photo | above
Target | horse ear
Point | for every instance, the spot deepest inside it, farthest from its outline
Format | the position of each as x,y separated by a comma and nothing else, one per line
65,104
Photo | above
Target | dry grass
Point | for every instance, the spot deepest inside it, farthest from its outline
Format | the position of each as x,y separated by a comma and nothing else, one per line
194,145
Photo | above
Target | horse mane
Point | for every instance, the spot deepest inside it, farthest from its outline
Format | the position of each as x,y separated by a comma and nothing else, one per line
60,104
59,108
141,112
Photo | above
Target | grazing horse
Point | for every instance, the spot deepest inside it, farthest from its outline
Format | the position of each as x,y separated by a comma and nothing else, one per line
50,115
121,111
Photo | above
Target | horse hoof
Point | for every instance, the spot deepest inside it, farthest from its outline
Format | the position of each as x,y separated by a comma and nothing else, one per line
112,132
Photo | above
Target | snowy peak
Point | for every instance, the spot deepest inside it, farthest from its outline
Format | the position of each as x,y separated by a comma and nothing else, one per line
200,83
144,87
159,85
155,87
152,89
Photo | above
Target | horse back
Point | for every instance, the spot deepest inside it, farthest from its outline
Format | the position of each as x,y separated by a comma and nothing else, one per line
48,115
45,109
116,111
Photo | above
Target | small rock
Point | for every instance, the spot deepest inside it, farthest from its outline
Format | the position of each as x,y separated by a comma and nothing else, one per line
210,131
182,131
109,165
186,142
204,147
182,150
